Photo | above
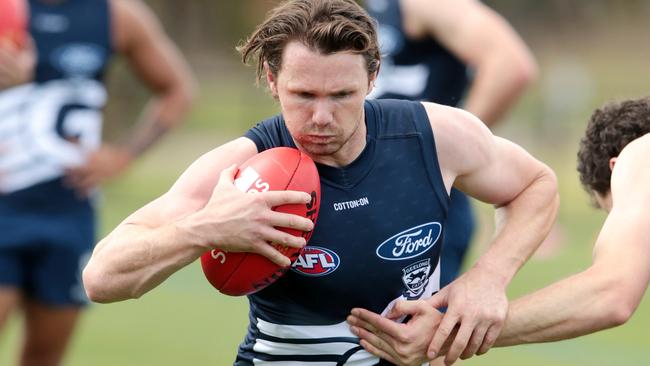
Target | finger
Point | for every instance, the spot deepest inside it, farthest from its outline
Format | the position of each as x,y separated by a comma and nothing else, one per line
460,342
475,341
279,198
291,221
489,339
278,237
379,322
272,254
442,333
410,307
439,299
359,323
378,352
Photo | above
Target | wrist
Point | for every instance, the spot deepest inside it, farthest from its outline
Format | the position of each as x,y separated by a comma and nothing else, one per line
496,272
185,231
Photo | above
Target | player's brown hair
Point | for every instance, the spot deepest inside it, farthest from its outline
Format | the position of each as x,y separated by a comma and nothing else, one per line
325,26
610,129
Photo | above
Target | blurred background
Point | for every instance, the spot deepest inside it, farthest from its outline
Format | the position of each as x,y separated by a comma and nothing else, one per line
589,52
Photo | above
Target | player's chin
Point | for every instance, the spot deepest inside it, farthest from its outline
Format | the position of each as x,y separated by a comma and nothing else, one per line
317,149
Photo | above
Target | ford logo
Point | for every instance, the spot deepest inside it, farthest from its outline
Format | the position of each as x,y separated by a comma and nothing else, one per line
410,243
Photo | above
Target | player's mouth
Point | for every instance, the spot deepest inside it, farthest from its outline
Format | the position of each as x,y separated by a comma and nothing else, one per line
319,139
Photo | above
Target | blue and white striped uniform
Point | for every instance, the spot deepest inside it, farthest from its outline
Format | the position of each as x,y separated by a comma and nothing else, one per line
377,239
46,127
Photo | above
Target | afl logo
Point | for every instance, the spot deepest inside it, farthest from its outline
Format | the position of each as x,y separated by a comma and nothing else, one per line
410,243
316,261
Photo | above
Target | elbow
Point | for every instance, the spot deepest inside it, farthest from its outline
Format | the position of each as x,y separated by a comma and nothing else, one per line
620,306
526,72
617,297
94,285
100,289
549,180
619,314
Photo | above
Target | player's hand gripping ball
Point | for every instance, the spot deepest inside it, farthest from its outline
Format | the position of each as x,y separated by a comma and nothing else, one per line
13,22
276,169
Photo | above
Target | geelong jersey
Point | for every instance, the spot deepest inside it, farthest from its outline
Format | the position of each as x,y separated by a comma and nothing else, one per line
377,239
414,69
52,123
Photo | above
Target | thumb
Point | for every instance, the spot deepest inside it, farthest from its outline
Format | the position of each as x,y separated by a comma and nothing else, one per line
227,175
408,307
440,299
226,179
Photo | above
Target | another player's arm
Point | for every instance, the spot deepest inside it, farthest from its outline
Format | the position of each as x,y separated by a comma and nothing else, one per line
607,293
483,39
524,192
155,60
159,65
202,210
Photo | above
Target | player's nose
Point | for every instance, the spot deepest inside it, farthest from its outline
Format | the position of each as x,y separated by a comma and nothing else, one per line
323,112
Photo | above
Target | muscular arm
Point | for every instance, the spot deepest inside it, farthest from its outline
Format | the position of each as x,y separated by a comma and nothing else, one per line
607,293
481,38
155,60
524,193
158,64
201,211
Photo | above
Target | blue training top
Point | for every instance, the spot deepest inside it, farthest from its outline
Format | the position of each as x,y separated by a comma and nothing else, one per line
73,38
420,69
377,239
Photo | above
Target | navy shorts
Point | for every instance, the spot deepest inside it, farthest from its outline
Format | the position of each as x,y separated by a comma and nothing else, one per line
46,238
458,235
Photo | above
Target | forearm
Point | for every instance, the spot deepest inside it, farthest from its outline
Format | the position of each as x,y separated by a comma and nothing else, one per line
581,304
134,259
498,83
161,114
521,226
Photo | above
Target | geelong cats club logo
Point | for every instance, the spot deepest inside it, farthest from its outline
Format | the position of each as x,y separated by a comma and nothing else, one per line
316,261
416,277
410,243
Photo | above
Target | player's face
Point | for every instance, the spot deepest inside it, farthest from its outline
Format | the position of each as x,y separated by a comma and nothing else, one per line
322,98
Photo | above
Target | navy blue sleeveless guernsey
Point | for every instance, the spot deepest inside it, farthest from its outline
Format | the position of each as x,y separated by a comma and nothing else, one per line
73,38
419,69
53,123
377,239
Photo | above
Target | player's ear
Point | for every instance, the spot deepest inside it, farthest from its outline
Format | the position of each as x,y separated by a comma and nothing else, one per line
612,162
371,81
270,79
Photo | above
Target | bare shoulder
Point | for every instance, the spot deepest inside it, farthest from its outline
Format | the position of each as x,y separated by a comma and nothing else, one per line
131,20
463,142
438,16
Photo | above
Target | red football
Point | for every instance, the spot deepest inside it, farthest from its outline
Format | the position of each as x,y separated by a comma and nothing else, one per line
276,169
13,21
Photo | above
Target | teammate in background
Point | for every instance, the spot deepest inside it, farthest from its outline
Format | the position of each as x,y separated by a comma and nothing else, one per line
436,51
320,59
52,158
612,162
